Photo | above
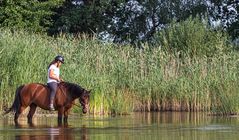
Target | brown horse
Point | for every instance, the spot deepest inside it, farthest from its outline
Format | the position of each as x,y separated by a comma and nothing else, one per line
34,95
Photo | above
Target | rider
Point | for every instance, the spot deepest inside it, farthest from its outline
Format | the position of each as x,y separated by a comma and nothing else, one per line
53,77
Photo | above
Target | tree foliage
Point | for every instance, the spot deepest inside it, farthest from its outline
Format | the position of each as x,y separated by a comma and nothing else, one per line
121,21
133,21
34,15
78,17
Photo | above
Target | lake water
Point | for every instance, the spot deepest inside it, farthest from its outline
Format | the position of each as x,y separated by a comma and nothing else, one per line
137,126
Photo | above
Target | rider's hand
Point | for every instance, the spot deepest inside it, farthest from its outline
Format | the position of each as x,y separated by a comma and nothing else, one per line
61,80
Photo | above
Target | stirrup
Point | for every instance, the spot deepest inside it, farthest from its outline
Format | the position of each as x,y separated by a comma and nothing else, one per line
52,108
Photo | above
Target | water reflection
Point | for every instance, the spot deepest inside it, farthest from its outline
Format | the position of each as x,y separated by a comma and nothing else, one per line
46,132
140,126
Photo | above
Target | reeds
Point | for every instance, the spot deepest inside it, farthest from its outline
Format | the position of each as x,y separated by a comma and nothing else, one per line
122,79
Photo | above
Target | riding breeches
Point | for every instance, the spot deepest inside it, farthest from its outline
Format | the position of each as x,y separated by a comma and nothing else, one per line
53,87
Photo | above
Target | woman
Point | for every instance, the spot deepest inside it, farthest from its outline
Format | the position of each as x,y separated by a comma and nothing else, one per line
53,77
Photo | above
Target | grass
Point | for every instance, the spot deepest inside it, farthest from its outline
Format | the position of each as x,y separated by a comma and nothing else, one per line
122,79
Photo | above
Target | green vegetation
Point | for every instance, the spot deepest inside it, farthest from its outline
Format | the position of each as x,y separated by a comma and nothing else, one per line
166,77
130,21
27,14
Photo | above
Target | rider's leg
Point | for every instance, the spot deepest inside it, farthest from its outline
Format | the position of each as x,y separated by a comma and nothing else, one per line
53,87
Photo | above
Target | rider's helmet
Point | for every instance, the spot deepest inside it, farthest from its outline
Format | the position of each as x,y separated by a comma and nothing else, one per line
59,58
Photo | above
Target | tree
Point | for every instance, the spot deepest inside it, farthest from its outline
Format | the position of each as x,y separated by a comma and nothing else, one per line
122,21
34,15
225,13
80,17
138,20
134,21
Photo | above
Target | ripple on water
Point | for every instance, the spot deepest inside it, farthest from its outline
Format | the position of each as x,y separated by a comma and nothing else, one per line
215,128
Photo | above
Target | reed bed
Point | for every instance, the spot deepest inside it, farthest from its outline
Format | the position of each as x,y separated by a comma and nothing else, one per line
122,79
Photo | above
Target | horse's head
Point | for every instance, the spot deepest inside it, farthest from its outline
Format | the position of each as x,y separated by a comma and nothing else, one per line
78,92
84,100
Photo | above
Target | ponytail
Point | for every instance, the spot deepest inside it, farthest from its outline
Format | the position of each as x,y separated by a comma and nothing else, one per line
52,62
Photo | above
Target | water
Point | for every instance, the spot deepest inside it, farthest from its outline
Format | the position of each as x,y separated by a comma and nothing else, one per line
138,126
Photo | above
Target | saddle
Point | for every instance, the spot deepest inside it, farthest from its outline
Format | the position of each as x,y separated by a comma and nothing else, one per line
59,87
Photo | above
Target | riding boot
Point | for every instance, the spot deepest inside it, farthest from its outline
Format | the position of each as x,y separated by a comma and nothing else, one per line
51,106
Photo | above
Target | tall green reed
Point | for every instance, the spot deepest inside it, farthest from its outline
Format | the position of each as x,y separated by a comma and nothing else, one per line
122,79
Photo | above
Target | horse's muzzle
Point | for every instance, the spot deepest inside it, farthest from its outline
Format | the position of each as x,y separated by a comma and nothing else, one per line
85,109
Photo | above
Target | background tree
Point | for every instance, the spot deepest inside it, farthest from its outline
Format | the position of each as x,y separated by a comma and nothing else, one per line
121,21
138,20
225,14
80,17
34,15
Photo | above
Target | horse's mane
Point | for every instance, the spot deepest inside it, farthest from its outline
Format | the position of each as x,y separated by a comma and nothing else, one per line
71,86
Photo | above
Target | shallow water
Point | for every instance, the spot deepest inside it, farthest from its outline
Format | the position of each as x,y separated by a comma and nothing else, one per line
138,126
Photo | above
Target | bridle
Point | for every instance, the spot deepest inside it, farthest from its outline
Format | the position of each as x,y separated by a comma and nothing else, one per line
67,98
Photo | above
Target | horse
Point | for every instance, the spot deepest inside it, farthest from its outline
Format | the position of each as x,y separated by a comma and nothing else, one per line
38,95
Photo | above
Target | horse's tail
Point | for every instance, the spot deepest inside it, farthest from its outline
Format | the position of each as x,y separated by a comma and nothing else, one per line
16,104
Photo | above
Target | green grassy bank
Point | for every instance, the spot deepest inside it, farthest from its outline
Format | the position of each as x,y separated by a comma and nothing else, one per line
122,79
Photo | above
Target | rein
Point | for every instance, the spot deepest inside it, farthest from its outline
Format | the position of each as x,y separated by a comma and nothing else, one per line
76,105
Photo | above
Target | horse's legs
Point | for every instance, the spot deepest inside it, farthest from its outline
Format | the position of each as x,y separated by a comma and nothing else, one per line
16,117
60,114
18,112
66,112
31,113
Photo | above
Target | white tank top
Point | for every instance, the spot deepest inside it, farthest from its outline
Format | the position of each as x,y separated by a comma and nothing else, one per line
56,71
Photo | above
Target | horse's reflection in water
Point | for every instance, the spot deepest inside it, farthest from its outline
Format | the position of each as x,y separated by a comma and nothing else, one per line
60,132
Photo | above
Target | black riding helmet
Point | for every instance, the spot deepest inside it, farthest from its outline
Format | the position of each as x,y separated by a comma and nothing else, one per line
59,58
